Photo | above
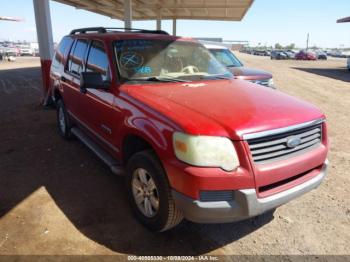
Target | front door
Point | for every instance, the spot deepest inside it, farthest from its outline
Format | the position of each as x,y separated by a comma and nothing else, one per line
100,102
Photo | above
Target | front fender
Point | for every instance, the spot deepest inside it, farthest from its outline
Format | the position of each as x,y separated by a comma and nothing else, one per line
154,132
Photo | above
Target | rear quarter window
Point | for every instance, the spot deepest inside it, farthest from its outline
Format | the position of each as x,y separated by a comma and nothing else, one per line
61,51
76,57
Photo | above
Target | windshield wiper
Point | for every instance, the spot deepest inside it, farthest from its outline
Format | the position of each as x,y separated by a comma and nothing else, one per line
159,79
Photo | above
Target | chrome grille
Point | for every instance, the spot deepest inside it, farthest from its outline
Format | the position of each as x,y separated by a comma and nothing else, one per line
275,147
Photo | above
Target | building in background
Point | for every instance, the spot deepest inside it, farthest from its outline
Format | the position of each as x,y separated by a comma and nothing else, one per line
236,45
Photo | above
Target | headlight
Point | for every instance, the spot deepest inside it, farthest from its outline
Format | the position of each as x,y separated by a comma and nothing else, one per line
206,151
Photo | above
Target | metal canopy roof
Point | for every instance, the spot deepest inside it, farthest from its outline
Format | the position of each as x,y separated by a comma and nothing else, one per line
344,20
229,10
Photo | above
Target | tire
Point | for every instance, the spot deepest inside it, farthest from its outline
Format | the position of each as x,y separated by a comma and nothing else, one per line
63,122
163,216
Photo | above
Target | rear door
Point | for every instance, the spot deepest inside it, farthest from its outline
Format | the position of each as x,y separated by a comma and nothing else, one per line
71,81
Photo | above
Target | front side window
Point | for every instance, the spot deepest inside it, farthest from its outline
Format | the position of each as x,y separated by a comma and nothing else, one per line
76,57
226,57
98,60
140,59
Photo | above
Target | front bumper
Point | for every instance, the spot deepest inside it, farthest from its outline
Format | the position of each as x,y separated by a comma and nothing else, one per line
246,204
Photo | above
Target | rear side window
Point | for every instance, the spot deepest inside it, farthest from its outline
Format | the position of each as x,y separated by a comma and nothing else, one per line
98,60
61,50
76,57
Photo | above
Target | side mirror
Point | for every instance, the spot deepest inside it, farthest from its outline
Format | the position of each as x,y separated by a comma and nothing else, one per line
92,80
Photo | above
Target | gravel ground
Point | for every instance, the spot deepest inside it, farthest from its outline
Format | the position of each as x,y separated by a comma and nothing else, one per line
57,198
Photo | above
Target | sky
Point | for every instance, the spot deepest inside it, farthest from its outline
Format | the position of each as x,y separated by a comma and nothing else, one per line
267,22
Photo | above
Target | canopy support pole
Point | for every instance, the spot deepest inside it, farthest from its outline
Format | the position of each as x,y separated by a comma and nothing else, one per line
127,13
159,24
45,40
174,27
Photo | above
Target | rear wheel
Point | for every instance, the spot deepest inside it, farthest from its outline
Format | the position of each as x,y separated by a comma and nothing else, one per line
150,194
63,122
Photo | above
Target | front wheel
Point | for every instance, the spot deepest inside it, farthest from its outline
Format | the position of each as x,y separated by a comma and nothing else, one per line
150,194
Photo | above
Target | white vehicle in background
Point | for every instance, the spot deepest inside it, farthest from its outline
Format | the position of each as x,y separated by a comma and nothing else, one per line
8,55
26,51
11,58
14,51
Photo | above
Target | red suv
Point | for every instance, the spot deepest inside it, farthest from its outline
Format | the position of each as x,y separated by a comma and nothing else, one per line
192,141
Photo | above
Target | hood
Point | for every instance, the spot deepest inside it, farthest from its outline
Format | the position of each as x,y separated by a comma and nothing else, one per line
249,73
227,108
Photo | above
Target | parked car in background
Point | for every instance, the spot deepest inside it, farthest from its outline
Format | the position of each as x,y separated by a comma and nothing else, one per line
278,55
321,55
228,59
341,54
26,51
13,50
305,55
9,56
191,141
261,53
290,54
338,53
245,50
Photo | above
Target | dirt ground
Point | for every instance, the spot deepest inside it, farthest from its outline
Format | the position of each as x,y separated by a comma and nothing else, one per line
56,197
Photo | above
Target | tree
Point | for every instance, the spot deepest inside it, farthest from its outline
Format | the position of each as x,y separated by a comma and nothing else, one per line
290,47
278,46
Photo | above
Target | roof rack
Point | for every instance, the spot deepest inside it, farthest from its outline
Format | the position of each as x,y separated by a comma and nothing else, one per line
103,30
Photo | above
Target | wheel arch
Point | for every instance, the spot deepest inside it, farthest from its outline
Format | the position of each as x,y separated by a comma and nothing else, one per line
133,143
56,95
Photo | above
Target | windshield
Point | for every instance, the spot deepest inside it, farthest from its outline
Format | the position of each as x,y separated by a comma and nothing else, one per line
164,60
226,57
